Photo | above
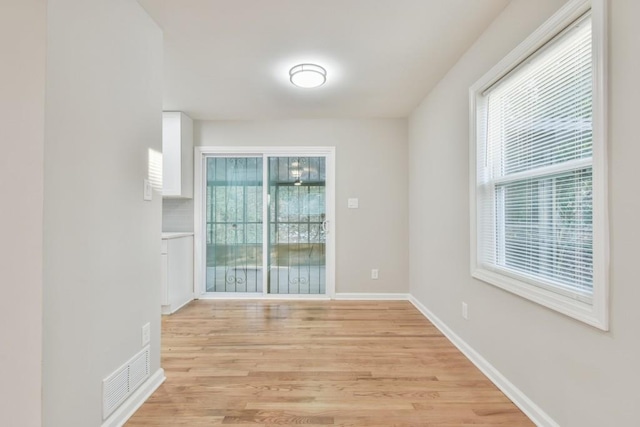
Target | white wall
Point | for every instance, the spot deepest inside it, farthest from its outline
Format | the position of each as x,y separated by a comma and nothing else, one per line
370,165
579,375
101,240
22,92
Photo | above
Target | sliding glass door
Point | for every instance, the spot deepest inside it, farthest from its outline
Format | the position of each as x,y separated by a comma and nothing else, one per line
264,220
297,224
234,224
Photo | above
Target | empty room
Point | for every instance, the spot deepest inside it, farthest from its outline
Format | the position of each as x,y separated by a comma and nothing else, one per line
328,213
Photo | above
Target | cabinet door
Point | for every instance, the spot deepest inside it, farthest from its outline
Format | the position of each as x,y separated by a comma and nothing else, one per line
186,158
164,287
177,155
180,271
171,154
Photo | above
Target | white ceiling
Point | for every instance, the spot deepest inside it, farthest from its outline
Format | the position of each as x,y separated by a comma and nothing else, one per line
229,59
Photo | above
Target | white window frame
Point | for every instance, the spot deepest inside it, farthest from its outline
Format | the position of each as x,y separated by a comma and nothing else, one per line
595,313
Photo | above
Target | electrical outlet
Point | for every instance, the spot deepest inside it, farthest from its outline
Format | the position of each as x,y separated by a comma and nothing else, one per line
374,274
146,334
465,311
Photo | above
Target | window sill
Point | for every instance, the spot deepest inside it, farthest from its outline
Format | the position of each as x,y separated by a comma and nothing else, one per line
575,309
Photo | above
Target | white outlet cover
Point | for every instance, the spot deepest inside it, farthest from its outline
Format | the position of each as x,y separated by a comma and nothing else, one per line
352,203
374,274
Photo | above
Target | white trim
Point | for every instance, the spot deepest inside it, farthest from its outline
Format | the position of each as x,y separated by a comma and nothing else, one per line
261,296
328,152
596,314
371,296
600,164
339,296
571,11
283,151
545,170
568,306
135,401
521,400
331,221
167,309
199,242
265,230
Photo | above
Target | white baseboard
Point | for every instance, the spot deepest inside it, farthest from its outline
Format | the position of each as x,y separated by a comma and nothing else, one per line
133,403
526,405
362,296
371,296
261,296
168,309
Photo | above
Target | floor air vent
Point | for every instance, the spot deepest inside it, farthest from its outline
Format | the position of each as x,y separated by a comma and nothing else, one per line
124,381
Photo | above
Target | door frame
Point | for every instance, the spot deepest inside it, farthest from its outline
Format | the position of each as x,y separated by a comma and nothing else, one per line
199,180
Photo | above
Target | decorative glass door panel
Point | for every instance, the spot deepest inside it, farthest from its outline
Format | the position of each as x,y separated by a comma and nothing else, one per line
234,224
297,224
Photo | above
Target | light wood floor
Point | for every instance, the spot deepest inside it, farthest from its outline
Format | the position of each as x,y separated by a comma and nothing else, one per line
342,363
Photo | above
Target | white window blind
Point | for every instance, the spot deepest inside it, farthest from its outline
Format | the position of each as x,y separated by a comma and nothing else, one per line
535,168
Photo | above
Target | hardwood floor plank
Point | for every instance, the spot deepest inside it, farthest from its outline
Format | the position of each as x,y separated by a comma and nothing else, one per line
317,363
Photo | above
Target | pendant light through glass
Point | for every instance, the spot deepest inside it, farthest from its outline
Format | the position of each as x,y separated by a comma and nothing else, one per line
308,75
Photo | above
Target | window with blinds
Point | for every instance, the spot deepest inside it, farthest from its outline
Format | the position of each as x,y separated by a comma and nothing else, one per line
534,169
537,221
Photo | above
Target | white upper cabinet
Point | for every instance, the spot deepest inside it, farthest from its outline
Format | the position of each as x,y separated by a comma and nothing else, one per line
177,154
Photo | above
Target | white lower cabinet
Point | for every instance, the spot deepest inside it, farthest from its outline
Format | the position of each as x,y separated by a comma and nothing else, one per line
177,271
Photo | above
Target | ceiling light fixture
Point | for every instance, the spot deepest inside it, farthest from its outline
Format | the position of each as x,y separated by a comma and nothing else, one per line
308,75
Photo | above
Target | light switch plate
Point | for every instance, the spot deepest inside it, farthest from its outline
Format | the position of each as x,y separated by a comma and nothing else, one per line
352,203
148,190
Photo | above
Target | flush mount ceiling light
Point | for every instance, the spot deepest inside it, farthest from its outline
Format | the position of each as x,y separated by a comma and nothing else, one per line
308,75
